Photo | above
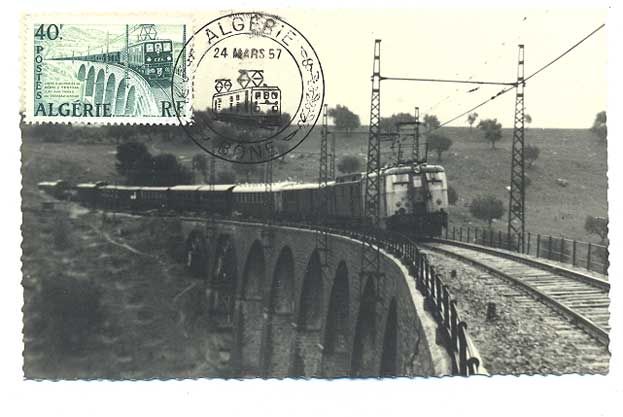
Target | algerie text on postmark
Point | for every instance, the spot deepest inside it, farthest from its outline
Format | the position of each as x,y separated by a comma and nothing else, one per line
258,87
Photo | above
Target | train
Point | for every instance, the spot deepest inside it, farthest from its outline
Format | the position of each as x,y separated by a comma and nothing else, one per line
153,59
259,104
414,199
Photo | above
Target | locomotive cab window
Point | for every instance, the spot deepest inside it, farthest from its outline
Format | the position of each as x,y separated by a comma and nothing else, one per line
258,94
417,181
275,94
149,47
158,47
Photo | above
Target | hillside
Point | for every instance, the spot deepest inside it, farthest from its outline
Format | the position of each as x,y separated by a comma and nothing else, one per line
473,169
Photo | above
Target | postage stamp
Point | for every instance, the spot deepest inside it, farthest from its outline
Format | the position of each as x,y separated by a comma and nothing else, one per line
258,87
105,68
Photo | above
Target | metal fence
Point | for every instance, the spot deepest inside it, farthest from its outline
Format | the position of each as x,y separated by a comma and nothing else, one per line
590,256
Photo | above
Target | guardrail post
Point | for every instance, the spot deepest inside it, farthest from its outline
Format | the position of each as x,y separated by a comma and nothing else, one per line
454,334
438,301
538,245
574,251
446,232
508,241
499,239
468,230
462,349
588,257
549,251
476,233
432,289
446,308
461,234
562,249
528,244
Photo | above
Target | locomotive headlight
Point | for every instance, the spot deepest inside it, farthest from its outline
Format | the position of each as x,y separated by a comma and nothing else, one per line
148,59
168,57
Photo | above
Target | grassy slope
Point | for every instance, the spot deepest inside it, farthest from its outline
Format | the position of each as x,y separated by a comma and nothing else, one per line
473,169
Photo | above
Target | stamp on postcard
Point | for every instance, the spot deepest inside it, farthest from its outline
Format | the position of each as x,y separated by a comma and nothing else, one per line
258,87
104,69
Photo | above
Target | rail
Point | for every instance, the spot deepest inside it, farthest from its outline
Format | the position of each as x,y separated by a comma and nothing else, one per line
590,256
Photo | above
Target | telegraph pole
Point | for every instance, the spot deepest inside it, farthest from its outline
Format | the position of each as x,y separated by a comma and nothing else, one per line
371,255
517,201
415,151
322,236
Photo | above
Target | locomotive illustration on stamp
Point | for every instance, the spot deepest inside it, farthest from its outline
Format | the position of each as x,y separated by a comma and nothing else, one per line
104,70
258,87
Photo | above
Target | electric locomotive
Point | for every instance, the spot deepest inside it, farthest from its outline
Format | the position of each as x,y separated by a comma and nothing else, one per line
153,59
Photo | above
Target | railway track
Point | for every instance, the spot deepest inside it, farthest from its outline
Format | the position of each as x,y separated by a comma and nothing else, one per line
581,298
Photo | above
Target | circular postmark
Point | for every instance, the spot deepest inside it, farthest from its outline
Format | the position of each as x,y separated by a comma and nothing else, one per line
257,87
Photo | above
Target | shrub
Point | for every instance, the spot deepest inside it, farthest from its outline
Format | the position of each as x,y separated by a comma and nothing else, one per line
453,196
492,130
61,233
597,226
439,144
487,208
531,153
348,164
72,311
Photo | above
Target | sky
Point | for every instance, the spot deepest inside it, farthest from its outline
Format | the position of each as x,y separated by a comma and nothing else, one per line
459,44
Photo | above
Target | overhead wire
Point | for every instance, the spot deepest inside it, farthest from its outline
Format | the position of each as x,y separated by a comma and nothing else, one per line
506,90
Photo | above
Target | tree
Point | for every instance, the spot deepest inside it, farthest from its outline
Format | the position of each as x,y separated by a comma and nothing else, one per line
431,122
597,226
200,164
225,177
492,130
531,154
167,171
487,208
132,159
453,196
439,144
600,128
246,171
120,132
471,118
348,164
344,119
390,124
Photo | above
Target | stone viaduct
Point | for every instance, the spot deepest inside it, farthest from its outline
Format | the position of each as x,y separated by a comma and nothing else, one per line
107,84
290,314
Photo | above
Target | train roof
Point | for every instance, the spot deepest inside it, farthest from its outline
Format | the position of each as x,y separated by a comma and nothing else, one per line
301,186
91,184
352,177
248,88
51,183
154,188
149,40
260,187
217,187
121,187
